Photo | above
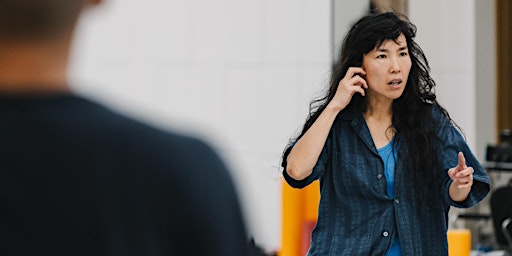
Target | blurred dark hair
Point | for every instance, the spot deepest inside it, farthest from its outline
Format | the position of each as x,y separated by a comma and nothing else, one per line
412,111
37,18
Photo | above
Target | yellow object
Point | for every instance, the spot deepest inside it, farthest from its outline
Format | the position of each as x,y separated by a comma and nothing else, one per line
459,242
299,213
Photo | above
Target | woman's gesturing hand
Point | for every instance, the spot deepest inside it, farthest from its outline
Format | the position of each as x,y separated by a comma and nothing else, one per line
461,174
352,82
462,177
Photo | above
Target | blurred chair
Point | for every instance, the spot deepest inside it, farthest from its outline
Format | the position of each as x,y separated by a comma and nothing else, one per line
501,211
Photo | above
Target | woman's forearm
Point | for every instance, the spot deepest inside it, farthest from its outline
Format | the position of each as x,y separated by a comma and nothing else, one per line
305,153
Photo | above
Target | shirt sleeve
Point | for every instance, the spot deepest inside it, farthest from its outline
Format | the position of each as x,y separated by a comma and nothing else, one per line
318,169
451,143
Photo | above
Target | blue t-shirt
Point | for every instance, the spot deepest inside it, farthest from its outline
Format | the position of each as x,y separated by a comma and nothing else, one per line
388,154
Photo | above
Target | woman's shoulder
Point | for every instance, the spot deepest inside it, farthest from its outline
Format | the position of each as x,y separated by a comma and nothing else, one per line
439,114
440,120
435,117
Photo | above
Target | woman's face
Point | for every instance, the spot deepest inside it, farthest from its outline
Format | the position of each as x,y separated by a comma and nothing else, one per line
387,69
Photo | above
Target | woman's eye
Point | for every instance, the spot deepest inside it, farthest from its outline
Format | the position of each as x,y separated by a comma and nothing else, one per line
382,56
404,54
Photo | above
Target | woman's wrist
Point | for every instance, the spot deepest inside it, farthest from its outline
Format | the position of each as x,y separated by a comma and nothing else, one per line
333,108
458,194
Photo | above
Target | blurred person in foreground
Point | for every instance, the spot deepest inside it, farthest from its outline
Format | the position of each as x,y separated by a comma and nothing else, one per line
389,158
79,179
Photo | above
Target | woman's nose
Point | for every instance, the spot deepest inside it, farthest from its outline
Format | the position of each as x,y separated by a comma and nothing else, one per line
395,66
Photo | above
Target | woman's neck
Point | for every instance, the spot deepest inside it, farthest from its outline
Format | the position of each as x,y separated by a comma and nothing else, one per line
378,116
380,110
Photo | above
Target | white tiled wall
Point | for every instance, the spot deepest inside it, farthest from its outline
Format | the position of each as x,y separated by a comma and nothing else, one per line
241,74
238,72
446,33
458,38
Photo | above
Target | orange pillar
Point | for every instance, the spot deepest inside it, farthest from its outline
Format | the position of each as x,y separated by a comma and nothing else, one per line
299,214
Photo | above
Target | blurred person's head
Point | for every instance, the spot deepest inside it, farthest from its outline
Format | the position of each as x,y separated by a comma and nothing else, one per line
22,20
35,43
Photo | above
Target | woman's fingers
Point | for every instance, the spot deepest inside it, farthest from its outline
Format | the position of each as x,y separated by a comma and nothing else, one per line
357,84
359,81
465,172
464,178
353,82
352,71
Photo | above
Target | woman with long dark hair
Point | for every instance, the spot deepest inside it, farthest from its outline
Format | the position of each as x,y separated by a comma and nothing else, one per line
389,158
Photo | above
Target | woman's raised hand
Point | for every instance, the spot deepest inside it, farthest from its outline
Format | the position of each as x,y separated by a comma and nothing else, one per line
352,82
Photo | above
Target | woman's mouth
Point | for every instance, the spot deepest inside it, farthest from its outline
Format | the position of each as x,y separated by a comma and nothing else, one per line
395,82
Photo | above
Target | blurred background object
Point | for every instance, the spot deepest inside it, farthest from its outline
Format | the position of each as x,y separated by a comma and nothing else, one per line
502,151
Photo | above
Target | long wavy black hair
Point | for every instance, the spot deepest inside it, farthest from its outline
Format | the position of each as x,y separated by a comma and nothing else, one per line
412,111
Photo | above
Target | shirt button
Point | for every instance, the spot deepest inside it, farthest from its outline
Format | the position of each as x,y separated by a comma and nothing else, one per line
385,234
379,176
397,201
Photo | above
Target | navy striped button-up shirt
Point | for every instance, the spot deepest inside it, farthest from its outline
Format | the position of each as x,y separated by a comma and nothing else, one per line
356,215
